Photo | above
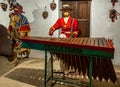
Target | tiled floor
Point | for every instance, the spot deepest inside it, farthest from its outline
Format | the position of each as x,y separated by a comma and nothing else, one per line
30,73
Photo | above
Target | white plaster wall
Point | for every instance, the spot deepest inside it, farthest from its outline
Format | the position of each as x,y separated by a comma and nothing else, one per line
101,25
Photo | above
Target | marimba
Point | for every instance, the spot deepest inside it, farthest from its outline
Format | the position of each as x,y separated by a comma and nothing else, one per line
88,55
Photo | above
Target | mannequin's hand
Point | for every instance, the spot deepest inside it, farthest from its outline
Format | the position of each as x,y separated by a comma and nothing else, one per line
51,31
75,33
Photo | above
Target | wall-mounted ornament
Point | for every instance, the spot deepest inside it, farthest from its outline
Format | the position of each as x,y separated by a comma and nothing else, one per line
113,15
45,13
113,2
3,6
53,5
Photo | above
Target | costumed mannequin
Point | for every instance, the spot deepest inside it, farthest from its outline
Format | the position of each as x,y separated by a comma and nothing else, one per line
67,24
18,28
69,29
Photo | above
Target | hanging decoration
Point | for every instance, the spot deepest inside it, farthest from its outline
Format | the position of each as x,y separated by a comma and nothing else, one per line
113,2
53,5
45,13
113,14
3,6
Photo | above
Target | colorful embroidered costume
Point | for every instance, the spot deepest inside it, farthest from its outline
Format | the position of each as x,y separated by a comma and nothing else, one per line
69,28
23,24
18,28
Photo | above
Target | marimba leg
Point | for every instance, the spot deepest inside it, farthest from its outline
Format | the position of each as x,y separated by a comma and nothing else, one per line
95,71
90,72
111,70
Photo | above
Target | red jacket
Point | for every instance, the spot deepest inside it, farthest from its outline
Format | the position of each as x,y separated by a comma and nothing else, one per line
67,28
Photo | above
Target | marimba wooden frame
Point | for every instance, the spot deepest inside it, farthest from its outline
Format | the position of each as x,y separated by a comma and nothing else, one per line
67,50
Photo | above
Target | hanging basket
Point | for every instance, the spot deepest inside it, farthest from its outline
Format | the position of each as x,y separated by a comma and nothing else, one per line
113,2
113,15
3,6
45,13
53,5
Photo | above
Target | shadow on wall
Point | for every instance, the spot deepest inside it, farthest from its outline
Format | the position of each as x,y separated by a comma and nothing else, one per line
5,46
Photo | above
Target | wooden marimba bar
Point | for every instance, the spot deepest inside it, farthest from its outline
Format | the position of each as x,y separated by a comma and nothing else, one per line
82,54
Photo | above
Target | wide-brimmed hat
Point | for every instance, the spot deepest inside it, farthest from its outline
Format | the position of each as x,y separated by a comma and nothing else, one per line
66,7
